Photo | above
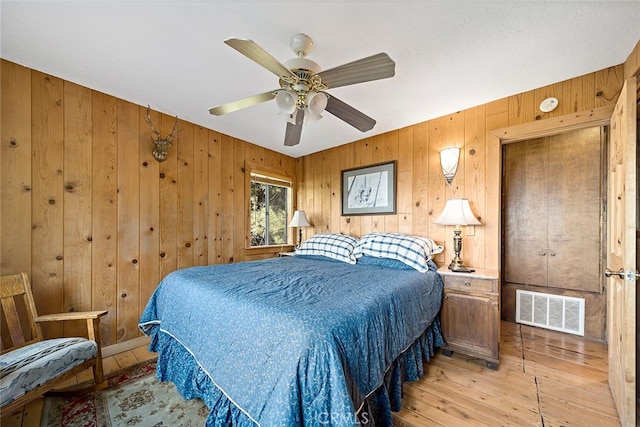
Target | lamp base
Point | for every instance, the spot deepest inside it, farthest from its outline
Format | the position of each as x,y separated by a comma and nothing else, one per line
458,266
462,270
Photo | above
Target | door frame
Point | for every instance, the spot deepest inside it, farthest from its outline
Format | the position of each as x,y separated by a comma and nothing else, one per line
495,140
539,129
594,297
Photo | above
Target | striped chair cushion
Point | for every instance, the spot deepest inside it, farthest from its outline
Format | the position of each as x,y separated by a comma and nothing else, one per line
335,246
413,251
26,368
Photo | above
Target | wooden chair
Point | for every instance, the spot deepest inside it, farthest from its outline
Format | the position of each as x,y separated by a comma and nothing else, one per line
31,366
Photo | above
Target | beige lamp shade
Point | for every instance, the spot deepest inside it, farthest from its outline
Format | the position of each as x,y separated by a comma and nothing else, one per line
299,220
457,212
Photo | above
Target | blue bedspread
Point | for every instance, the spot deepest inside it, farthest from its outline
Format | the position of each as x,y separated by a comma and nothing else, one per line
295,341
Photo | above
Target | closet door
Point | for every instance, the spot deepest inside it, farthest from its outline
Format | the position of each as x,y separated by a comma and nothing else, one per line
574,209
526,185
552,211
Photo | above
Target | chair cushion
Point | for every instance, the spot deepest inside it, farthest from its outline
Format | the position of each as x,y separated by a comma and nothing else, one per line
28,367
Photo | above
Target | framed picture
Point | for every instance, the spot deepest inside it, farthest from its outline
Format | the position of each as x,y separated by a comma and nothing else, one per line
369,190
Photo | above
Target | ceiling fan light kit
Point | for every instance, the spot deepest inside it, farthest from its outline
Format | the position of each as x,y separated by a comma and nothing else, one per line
301,96
317,102
286,101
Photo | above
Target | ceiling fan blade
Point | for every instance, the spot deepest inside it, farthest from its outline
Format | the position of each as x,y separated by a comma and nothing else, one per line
250,101
374,67
292,135
253,51
350,115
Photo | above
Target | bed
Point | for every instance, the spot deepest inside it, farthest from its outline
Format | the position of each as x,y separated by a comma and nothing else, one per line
292,341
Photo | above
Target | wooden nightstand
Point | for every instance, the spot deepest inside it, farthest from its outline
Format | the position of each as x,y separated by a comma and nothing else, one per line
470,314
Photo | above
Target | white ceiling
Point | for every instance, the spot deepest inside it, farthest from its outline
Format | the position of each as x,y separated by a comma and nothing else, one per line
450,55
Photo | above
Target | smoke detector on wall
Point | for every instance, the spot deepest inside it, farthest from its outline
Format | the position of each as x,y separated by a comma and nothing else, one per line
549,105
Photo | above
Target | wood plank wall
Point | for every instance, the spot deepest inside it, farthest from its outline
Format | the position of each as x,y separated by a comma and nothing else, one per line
92,217
422,191
97,222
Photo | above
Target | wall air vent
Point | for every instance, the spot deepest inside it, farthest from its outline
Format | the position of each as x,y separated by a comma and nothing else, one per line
557,312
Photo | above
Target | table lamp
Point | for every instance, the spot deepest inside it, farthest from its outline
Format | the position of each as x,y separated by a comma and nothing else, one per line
457,212
299,220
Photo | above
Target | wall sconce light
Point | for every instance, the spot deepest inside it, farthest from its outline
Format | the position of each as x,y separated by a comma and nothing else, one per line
449,158
457,212
299,220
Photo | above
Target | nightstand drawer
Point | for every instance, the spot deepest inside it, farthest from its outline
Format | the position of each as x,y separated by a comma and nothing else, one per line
470,284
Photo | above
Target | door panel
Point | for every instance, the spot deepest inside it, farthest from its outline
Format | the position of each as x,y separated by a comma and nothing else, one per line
525,240
525,260
574,251
575,265
621,254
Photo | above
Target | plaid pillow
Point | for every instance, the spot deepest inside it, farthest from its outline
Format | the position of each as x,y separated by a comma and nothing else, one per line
335,246
414,251
432,247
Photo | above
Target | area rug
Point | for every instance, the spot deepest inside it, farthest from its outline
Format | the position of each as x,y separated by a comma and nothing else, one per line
134,397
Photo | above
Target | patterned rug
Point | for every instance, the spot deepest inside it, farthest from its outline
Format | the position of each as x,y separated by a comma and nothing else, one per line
134,397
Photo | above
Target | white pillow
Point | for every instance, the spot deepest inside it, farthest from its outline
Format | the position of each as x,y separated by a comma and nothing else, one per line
413,251
335,246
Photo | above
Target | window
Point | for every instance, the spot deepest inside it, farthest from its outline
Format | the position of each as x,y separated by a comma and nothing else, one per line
270,205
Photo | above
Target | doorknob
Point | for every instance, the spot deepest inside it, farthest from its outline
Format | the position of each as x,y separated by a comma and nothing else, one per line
627,275
619,273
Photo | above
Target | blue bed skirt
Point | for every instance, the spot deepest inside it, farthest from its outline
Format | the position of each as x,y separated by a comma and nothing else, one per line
177,364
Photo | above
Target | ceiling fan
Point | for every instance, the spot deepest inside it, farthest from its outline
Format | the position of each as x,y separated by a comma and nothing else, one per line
302,93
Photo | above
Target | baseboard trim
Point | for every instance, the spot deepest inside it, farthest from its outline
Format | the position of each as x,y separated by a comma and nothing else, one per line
124,346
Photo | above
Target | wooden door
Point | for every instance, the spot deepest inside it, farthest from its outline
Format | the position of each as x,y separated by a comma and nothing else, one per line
552,221
574,246
621,254
525,187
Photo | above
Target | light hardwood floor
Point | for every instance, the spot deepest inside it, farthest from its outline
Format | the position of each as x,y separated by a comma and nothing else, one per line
545,378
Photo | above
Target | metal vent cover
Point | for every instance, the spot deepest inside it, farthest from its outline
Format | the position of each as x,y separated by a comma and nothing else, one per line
556,312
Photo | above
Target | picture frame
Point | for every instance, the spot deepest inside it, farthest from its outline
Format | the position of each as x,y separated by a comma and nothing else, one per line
369,190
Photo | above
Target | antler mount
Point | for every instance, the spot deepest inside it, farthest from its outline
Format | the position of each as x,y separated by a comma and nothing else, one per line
161,145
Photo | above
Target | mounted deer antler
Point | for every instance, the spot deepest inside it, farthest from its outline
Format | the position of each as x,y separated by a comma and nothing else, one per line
161,144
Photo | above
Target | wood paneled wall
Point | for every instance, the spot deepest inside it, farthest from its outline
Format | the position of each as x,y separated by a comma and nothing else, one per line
97,222
92,217
422,191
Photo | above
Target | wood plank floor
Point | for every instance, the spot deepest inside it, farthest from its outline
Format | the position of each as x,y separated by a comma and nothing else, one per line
545,378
